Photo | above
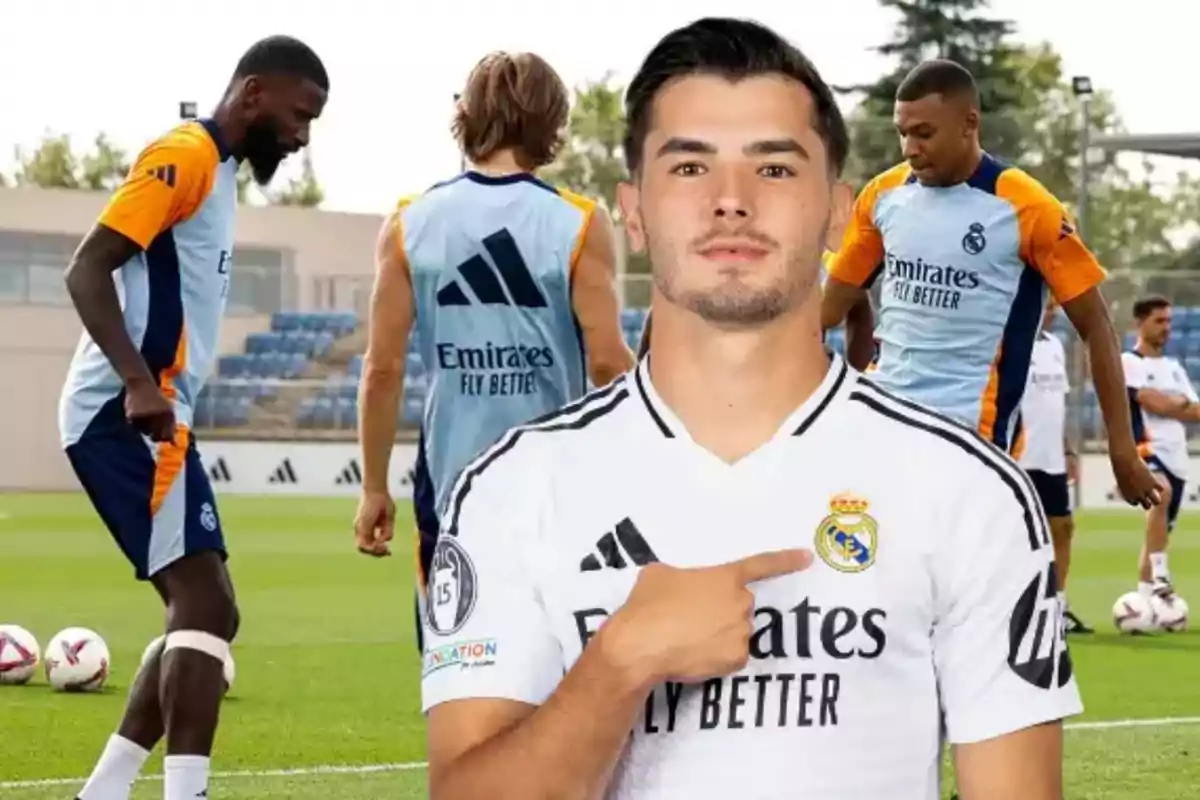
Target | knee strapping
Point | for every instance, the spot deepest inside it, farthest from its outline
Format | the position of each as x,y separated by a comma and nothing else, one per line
202,641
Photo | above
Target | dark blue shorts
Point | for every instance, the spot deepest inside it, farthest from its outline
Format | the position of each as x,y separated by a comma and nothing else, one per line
1178,487
427,524
424,512
155,499
1053,491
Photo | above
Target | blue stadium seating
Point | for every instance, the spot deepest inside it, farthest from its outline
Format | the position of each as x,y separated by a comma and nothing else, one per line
335,323
284,351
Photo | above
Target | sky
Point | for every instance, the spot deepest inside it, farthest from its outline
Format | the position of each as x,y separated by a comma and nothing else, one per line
123,66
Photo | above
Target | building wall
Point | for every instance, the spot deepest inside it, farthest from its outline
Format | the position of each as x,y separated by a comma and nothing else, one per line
320,243
37,340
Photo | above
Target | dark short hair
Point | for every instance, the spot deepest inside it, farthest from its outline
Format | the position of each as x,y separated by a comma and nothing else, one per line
938,76
1145,306
282,55
734,49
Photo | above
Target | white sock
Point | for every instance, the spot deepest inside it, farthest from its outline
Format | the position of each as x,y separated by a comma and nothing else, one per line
1062,601
1145,589
113,776
185,777
1158,566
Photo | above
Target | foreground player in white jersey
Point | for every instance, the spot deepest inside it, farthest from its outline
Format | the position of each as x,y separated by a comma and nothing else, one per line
741,570
1049,459
1162,399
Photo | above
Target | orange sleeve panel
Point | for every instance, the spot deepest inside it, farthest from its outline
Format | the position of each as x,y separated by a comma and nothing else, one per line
861,253
167,184
401,204
588,209
1049,241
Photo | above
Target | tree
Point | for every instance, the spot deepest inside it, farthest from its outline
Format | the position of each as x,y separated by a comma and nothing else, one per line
104,167
953,29
51,165
304,191
245,179
1031,118
1130,220
592,160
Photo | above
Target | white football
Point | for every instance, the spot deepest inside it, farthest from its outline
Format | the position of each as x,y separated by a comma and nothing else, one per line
19,654
1172,613
76,660
229,669
1133,613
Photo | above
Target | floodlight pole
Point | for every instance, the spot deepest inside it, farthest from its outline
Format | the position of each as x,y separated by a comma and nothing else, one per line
1082,88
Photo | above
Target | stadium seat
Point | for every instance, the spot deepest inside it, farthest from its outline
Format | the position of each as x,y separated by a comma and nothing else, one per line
411,410
238,366
414,366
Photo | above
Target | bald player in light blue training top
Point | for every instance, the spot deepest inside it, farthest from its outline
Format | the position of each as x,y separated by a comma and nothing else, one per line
969,250
511,284
150,283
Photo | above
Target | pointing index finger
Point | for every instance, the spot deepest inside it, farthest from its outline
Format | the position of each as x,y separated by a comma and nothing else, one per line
771,564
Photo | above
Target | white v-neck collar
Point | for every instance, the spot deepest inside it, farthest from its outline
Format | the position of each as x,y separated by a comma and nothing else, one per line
799,421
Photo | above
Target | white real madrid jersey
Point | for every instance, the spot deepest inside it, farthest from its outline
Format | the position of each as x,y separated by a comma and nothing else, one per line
932,592
1162,438
1044,407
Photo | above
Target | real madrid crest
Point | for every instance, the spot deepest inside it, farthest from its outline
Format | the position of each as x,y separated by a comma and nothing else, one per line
847,539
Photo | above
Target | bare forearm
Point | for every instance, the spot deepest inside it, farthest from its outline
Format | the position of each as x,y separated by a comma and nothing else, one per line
95,298
605,370
1177,408
860,335
565,750
837,302
378,406
1026,764
1109,379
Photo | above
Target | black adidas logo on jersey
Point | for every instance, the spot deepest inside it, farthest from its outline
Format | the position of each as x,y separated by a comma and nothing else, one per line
351,475
513,274
219,471
625,537
284,473
166,174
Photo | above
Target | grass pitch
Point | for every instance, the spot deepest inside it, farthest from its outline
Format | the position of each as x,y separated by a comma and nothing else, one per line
326,702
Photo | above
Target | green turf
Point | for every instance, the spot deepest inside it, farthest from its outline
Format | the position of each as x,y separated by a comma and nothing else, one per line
328,675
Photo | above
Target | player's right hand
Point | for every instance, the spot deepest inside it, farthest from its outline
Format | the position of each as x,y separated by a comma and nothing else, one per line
689,625
150,412
375,524
1135,481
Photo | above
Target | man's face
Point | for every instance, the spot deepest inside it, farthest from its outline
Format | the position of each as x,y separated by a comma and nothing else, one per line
281,110
936,133
1155,329
734,200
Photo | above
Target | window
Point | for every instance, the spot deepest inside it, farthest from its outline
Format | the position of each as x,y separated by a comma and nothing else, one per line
32,266
259,282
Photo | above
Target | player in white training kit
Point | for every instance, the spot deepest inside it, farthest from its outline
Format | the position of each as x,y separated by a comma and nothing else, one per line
1161,399
741,570
1048,457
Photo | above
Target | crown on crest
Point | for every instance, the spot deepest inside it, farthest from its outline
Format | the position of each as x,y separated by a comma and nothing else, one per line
846,503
